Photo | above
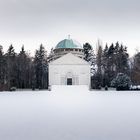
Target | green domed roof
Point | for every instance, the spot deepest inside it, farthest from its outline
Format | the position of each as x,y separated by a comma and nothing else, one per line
69,43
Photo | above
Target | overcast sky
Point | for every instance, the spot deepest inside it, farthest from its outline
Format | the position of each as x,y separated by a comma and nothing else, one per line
31,22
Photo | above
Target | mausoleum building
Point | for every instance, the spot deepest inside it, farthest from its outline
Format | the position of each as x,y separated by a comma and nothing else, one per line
67,66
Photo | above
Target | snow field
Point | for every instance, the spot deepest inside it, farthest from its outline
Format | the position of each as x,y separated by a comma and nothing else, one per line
70,113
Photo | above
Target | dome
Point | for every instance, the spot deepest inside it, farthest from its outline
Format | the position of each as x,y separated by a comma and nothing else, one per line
69,43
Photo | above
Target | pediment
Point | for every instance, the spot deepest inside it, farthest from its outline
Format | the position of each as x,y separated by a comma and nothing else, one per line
69,59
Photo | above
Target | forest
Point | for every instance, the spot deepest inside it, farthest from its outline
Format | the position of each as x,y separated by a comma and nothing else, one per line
110,65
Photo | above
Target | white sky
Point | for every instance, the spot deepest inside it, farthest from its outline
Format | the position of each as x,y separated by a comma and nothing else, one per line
32,22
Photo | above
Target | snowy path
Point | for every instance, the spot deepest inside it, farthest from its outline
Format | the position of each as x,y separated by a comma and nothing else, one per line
74,114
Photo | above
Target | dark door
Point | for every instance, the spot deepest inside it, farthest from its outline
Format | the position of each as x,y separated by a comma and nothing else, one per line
69,81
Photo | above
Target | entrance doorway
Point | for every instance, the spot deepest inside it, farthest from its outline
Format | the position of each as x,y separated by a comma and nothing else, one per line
69,81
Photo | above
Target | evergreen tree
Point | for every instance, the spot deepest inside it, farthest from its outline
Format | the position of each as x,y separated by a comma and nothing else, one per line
89,56
99,66
2,69
24,70
121,59
51,55
105,65
11,67
41,68
121,82
87,50
115,60
111,61
135,71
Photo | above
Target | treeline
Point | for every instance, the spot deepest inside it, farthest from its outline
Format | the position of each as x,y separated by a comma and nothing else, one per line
110,61
20,70
23,71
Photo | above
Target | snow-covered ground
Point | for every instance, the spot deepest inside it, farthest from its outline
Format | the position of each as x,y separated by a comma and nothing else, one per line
70,113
